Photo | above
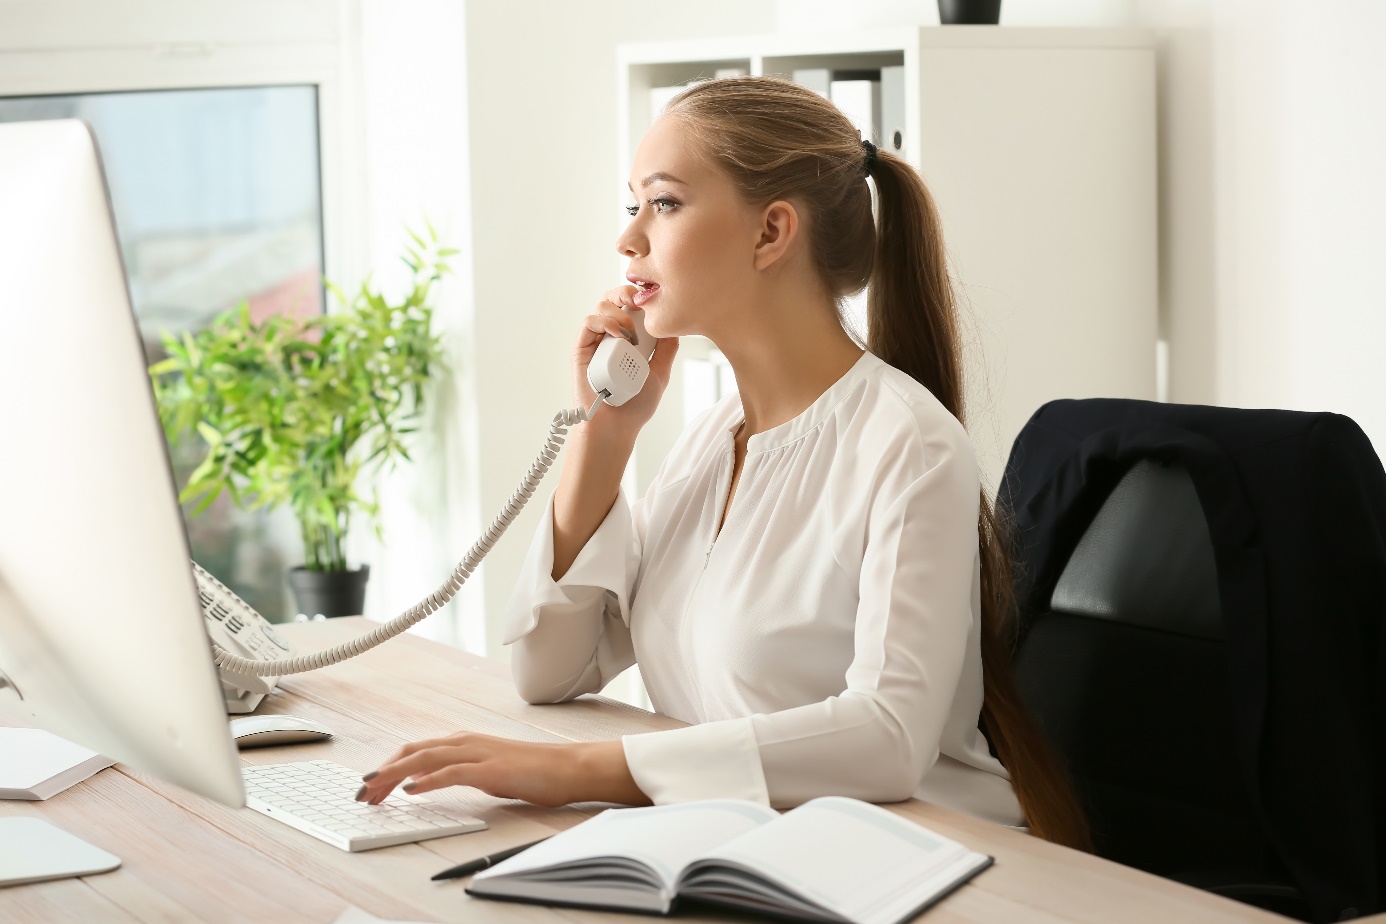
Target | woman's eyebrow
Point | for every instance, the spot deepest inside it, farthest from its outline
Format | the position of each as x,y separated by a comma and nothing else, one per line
658,177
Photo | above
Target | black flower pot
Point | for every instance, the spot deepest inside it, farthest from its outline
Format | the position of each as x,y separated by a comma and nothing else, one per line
969,12
331,593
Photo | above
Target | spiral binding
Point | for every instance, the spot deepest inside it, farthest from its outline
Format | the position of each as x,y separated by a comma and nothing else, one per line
435,601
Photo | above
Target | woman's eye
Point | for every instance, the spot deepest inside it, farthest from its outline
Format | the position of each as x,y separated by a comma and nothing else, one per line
660,205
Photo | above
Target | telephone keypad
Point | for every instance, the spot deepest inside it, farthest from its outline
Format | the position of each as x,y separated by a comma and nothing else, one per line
274,637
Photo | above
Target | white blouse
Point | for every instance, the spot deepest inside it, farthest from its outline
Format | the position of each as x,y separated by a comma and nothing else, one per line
824,643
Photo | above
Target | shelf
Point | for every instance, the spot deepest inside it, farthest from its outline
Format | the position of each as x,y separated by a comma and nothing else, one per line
877,40
1038,146
784,65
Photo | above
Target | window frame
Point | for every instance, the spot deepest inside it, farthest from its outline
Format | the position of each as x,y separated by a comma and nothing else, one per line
66,47
59,47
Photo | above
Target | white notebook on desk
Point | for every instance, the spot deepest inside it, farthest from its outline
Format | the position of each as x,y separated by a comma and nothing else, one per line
35,764
831,859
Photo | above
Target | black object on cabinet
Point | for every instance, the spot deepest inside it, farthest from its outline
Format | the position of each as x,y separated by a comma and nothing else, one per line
969,12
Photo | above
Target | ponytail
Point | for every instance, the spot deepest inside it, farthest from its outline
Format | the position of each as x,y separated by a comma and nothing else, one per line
912,324
778,140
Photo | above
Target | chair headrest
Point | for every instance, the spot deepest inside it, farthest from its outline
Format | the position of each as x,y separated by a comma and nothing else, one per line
1147,558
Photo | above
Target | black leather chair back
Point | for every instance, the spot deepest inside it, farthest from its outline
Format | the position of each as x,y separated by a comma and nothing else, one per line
1127,675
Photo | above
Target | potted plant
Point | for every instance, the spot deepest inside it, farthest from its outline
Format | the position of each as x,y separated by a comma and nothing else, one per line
294,410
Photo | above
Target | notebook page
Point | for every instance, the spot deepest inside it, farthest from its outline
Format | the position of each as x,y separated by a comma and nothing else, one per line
851,857
908,898
664,837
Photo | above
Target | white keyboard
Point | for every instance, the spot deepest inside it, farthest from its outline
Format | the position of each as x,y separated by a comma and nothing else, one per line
318,797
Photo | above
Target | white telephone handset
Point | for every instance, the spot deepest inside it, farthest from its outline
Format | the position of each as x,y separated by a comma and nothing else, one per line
618,368
251,657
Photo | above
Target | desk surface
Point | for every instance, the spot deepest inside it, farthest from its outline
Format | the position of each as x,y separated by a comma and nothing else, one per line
188,859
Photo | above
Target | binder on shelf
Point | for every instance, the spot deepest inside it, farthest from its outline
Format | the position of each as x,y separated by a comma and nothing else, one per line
659,98
893,109
816,79
858,95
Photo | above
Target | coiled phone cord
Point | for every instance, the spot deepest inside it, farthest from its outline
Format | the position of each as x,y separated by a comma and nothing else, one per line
558,430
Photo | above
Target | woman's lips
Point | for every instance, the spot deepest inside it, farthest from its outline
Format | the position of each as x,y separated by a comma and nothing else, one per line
644,294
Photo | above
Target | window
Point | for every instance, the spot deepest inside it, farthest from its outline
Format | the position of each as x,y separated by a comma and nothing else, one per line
217,197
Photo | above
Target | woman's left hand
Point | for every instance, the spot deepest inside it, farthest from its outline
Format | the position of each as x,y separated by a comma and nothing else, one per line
545,774
542,773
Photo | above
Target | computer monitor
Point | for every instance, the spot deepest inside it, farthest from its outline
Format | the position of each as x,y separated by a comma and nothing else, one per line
101,638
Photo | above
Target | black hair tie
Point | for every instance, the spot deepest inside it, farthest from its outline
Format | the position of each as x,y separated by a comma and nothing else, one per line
870,155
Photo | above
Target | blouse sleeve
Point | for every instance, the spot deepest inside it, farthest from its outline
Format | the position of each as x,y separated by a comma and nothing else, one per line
876,739
572,636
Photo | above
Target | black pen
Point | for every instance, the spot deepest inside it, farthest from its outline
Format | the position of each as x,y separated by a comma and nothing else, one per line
476,866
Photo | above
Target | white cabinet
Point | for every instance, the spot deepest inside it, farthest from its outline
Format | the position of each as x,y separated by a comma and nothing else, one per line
1039,148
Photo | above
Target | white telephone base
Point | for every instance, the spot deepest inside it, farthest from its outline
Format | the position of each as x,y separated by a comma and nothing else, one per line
239,702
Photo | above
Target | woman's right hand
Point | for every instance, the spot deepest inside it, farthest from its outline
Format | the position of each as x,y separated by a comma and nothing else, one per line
599,449
609,318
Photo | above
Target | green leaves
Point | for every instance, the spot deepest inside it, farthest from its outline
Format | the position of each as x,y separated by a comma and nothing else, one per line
290,409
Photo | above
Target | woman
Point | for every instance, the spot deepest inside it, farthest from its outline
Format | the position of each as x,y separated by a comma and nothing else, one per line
814,579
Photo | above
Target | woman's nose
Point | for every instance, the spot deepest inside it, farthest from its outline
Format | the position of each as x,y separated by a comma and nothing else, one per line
631,243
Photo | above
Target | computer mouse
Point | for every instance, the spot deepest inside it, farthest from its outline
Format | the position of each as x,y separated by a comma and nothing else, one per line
254,731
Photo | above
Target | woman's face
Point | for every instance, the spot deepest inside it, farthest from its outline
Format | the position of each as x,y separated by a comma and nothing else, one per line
690,240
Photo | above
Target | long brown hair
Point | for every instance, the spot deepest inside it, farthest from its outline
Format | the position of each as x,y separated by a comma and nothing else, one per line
778,140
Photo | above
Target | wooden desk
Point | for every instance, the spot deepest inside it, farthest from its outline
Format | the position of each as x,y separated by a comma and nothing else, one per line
188,859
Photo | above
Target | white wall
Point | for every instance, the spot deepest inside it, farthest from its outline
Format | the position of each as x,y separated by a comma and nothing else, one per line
410,63
1311,90
404,136
393,118
1269,130
498,118
543,156
1271,141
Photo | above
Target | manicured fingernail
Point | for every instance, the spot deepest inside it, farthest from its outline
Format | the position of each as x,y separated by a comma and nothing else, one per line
360,793
369,776
409,787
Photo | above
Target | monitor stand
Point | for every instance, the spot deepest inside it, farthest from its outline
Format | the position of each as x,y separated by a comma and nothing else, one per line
32,850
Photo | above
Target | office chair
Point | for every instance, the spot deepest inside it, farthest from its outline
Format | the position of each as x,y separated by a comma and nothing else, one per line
1201,630
1127,674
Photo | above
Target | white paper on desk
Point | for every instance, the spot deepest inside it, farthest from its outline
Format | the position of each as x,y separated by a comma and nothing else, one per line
36,764
354,915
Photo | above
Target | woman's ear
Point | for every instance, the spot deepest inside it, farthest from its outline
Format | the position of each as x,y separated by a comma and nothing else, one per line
779,228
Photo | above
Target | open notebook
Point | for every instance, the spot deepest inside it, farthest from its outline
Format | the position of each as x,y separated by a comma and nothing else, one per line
831,859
